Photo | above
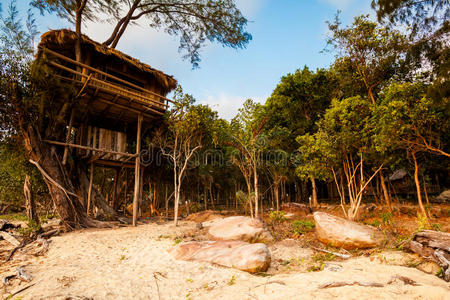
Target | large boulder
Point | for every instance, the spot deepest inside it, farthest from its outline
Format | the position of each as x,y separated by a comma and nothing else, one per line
295,209
238,228
340,232
443,197
233,254
203,216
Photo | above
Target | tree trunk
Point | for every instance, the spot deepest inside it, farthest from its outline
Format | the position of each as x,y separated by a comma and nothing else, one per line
62,189
387,199
315,203
255,182
249,201
29,201
276,191
416,180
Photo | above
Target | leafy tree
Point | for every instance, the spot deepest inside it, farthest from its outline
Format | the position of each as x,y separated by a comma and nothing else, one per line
372,51
428,23
13,169
181,140
195,22
246,136
314,157
344,141
407,119
294,107
423,17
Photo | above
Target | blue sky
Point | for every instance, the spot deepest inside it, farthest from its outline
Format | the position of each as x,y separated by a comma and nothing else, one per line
287,35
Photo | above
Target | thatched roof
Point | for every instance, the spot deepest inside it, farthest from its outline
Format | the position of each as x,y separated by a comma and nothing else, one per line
64,40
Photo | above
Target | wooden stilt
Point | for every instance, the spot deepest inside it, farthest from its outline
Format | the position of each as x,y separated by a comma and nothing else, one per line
141,191
137,171
69,132
91,181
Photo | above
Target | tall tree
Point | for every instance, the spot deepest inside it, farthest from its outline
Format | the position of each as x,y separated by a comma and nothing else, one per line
428,24
246,136
372,51
407,119
195,22
181,141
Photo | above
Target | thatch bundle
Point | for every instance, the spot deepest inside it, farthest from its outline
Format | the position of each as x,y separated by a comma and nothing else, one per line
63,41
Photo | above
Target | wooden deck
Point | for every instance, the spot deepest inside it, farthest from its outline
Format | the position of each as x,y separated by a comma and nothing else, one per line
147,101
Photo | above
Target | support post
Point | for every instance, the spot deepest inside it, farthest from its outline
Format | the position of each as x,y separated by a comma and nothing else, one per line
137,171
91,181
141,192
69,132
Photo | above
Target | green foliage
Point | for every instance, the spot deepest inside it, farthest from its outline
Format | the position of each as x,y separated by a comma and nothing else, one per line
369,53
375,223
436,227
277,217
302,226
194,22
422,222
30,229
386,217
13,169
232,280
407,119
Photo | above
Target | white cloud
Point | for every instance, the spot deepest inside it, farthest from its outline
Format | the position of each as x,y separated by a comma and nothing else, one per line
227,105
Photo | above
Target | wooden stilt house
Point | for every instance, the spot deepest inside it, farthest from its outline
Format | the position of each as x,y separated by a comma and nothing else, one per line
118,95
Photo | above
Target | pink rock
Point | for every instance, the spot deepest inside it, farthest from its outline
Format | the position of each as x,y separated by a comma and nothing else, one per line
233,254
238,228
340,232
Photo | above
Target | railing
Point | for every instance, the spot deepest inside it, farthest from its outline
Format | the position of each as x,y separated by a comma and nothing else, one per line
154,102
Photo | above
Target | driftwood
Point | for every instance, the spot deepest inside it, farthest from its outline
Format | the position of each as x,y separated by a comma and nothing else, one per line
344,283
344,256
12,240
405,280
5,225
435,246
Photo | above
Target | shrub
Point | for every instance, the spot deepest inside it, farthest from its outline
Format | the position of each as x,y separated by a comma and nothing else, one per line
277,217
302,226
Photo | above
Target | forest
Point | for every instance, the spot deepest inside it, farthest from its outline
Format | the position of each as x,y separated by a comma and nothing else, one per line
366,139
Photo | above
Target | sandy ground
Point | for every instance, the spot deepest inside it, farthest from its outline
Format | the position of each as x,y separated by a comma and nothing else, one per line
133,263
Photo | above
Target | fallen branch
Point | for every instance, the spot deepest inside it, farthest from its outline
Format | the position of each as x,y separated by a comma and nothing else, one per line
14,251
343,283
20,290
405,280
12,240
344,256
52,180
49,233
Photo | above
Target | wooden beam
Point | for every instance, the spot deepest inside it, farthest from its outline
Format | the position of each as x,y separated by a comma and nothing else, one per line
104,73
114,164
129,99
141,191
89,148
91,181
137,171
126,107
110,85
